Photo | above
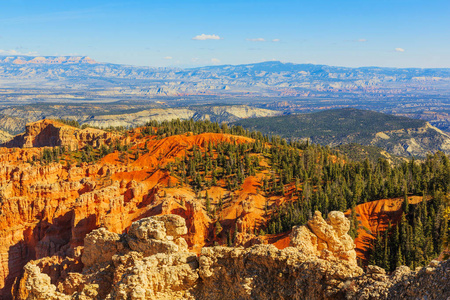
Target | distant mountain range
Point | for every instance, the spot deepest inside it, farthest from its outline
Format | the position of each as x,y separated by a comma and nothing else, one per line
272,78
46,60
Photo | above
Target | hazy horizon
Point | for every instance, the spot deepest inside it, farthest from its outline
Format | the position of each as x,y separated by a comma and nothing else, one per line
220,65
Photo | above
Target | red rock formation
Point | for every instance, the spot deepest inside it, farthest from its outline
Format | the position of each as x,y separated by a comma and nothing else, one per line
49,133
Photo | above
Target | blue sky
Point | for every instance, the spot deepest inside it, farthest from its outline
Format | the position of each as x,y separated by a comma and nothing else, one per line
394,33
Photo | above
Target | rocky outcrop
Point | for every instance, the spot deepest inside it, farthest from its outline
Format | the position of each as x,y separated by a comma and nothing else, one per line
327,240
150,262
265,272
4,136
99,246
151,236
137,266
429,282
417,142
49,133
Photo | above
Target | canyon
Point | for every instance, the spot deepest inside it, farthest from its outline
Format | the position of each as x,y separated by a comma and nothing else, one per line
124,227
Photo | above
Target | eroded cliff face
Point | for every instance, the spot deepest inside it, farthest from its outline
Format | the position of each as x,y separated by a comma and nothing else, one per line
42,216
47,209
152,261
49,133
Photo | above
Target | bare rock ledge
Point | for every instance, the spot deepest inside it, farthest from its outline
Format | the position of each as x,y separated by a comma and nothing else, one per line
152,261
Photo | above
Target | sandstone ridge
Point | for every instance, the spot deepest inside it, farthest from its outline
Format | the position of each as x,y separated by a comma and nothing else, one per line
49,133
151,261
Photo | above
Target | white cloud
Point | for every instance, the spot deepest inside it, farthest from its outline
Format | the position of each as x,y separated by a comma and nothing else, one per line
399,49
256,40
15,52
361,40
215,61
168,57
275,40
203,37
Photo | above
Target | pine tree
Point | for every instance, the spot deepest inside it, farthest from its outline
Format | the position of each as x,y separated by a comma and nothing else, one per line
399,258
218,229
419,242
405,204
235,233
386,251
353,224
